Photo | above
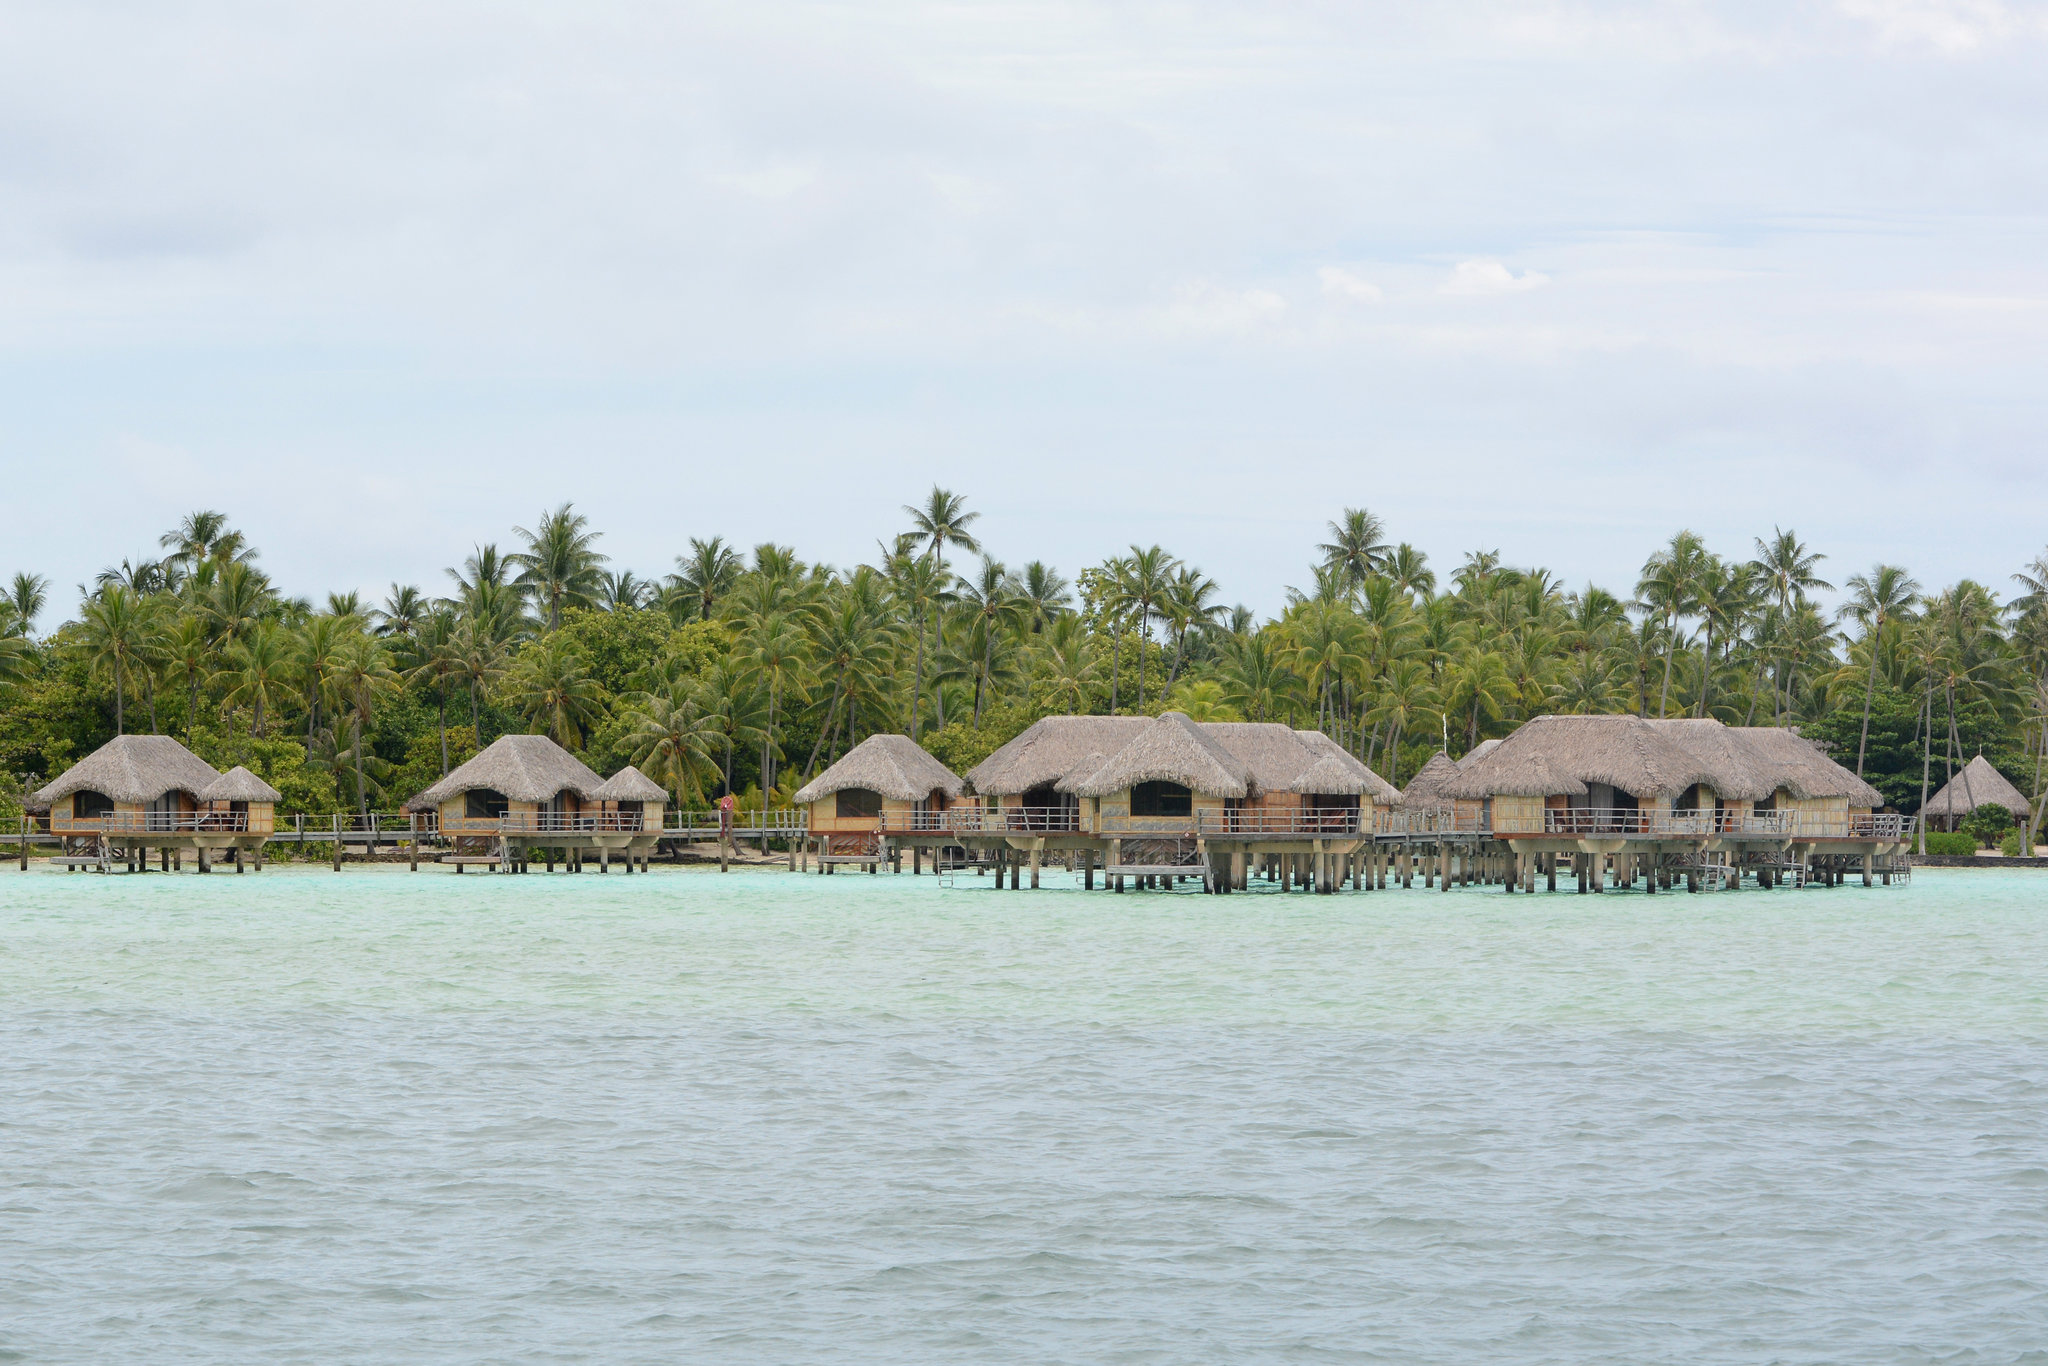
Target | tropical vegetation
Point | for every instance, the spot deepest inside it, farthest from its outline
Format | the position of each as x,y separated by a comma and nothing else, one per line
748,672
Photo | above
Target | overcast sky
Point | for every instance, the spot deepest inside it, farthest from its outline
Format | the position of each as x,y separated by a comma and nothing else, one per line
382,280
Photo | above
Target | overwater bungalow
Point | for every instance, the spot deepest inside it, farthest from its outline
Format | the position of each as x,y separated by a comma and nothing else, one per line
1659,798
1163,798
527,792
885,780
1979,784
139,793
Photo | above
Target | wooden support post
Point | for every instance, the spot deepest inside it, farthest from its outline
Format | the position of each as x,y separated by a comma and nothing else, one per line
337,847
1034,863
1087,870
238,860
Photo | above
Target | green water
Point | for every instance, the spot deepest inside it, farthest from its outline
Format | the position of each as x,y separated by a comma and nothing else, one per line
384,1116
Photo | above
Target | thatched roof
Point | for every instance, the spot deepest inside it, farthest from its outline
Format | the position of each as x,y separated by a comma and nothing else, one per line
1336,771
1560,755
1054,749
134,768
1171,749
894,765
525,768
1979,784
1478,751
1553,755
1785,758
629,784
1426,788
238,784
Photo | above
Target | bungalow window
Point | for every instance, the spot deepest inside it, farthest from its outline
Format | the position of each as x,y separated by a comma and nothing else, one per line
1162,799
859,802
482,804
90,806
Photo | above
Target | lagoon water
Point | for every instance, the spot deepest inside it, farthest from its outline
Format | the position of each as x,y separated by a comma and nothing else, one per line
384,1117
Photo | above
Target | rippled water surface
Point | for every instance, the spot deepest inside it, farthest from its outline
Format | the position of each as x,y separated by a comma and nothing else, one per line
384,1117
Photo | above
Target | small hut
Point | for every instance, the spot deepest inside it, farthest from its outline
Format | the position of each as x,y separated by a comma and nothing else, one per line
1027,774
1425,791
239,800
1605,769
1163,780
1979,784
148,792
631,801
523,783
131,785
884,781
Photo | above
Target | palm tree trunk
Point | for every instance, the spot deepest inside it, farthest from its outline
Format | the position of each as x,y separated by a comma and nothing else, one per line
1116,664
443,691
120,711
917,687
362,800
1664,698
831,720
1869,688
1926,755
938,661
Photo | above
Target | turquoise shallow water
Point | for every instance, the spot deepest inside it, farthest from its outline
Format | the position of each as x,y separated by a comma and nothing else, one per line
382,1117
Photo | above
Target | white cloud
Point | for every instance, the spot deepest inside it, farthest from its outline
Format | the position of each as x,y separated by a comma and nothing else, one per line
1349,285
1953,27
1491,277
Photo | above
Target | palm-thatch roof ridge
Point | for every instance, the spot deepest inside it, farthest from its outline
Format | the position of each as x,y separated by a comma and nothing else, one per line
1053,749
1426,788
525,768
1336,771
1789,760
629,784
1979,784
1170,749
1478,751
894,765
1739,765
1552,755
238,784
134,768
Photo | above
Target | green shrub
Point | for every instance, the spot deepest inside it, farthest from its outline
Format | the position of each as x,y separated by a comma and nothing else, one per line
2012,847
1988,823
1959,844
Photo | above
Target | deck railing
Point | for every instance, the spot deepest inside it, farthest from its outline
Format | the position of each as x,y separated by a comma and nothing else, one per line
1649,822
162,822
1301,821
776,823
1438,820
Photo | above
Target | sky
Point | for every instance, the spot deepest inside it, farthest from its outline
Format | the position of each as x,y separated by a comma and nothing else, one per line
385,280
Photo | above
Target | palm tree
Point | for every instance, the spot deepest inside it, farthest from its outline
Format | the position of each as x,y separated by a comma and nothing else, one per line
405,607
116,624
1253,674
1876,599
1067,665
994,603
849,640
1150,579
433,660
1410,571
25,602
258,672
621,592
1357,547
361,675
1404,694
671,741
1667,588
477,661
776,653
706,574
17,659
239,596
1047,593
1474,688
942,521
1190,606
736,705
551,687
560,562
202,536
